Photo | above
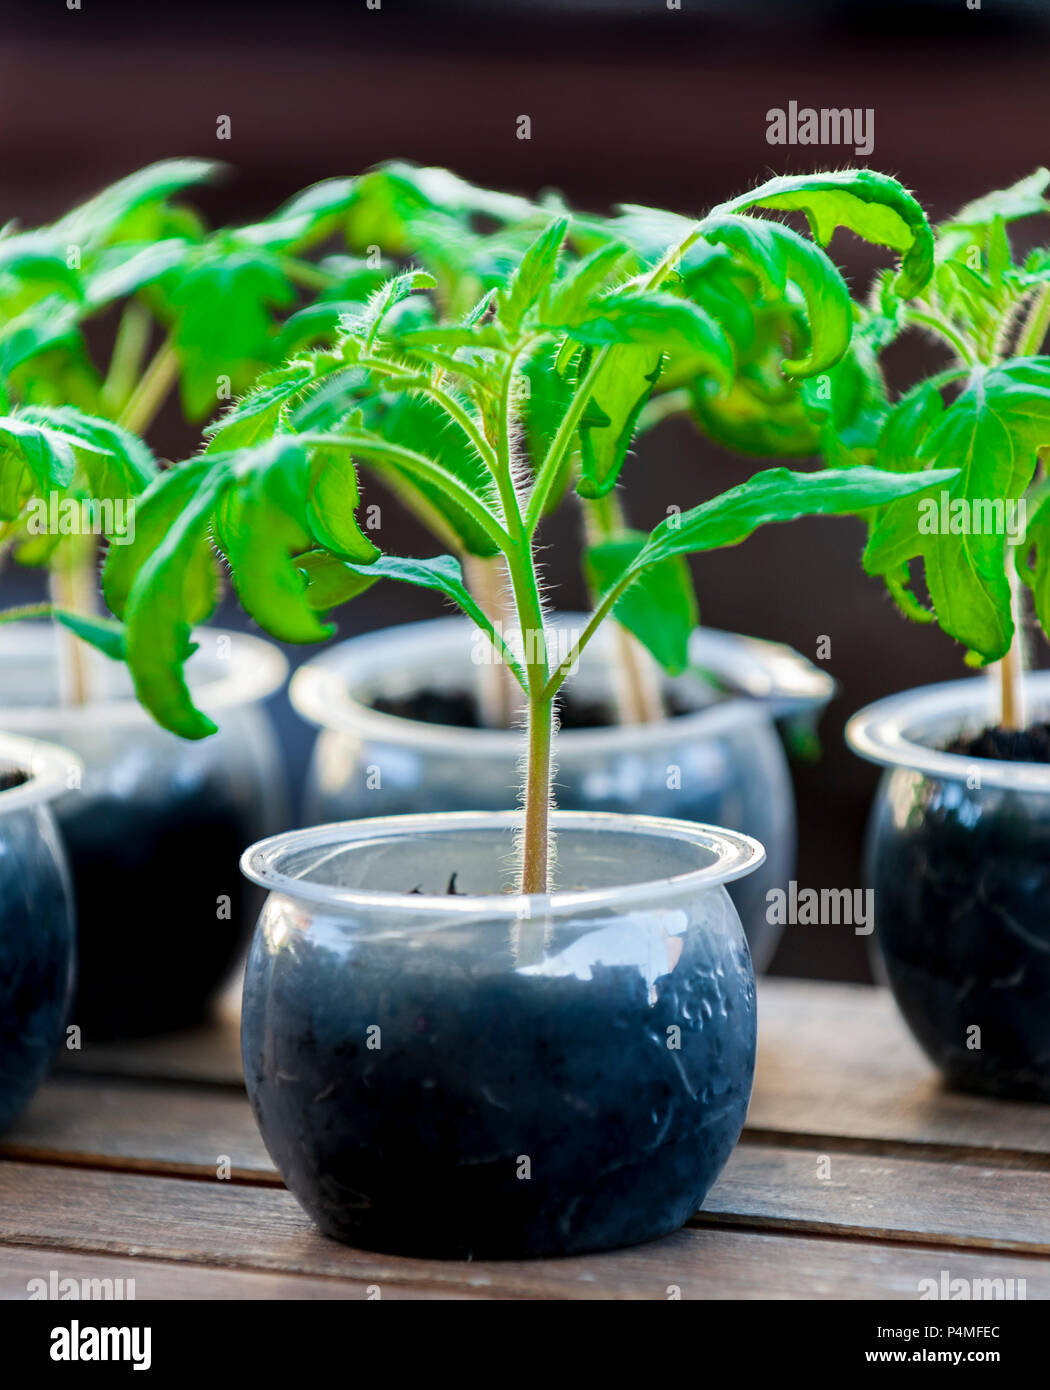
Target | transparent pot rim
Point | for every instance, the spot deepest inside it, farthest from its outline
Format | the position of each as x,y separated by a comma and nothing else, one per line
888,732
772,680
257,668
48,767
736,855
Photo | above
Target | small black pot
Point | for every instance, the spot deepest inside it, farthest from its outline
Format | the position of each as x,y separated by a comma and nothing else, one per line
36,922
958,856
495,1076
155,830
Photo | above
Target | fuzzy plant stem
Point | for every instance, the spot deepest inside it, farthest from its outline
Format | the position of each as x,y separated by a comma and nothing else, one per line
521,566
1011,668
126,362
71,589
636,681
536,848
1036,324
499,694
150,393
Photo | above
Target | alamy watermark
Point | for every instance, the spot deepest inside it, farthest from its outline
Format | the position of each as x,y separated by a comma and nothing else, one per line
964,1290
822,907
825,125
527,647
945,515
57,1288
61,515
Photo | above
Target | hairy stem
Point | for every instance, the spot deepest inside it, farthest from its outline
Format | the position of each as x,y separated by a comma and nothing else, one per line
71,589
25,610
944,330
535,874
565,435
521,564
128,353
636,681
1011,668
499,692
1035,326
149,395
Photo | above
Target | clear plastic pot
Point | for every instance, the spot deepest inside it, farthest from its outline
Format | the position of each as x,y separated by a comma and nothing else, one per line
721,764
36,920
496,1075
958,855
155,831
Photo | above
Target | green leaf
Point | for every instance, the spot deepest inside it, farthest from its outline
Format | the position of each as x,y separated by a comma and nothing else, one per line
305,219
660,609
543,407
50,323
874,206
1037,538
40,258
394,292
331,582
164,603
42,446
442,573
413,446
47,453
117,462
779,257
224,325
583,281
655,320
1026,198
260,547
778,494
332,505
624,384
390,202
104,634
101,217
533,276
991,435
156,512
481,335
260,525
118,271
257,415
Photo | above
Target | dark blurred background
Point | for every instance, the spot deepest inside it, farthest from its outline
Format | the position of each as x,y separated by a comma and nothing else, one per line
629,102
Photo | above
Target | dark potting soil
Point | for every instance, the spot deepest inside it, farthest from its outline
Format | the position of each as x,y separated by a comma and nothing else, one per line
503,1114
11,777
962,893
36,959
162,910
459,709
1031,745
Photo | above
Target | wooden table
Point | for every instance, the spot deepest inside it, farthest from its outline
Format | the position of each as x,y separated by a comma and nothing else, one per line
857,1176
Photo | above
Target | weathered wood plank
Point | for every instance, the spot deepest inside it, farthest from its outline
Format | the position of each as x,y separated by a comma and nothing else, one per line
963,1204
211,1054
128,1124
132,1126
254,1228
160,1279
837,1062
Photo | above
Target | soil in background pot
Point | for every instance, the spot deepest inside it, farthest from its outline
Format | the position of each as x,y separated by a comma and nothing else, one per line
1031,745
162,911
963,911
459,709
